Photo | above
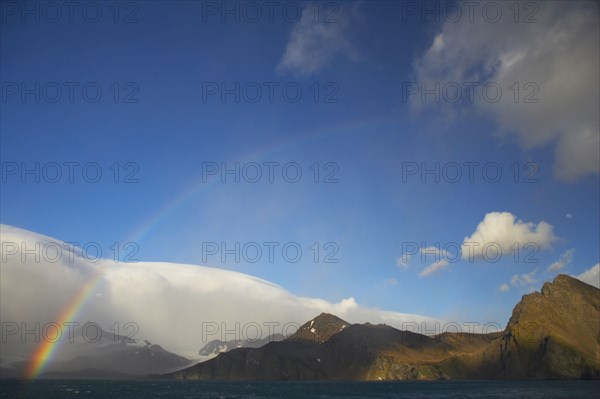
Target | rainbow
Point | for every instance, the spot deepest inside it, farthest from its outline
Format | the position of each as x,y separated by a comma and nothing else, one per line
47,348
197,186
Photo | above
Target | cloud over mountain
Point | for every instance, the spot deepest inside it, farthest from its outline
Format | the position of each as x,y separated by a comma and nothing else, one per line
172,304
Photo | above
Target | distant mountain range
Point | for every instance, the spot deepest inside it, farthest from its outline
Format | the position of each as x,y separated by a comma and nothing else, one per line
110,356
553,334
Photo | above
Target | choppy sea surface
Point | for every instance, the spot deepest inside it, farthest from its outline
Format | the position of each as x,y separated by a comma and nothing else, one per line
289,390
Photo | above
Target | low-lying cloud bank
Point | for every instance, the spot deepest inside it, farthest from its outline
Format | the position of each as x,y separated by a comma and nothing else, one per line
178,306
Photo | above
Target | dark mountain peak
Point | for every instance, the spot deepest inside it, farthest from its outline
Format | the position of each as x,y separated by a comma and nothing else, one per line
328,317
380,336
319,329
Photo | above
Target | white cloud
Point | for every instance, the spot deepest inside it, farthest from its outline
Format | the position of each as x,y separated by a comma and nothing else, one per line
314,45
441,260
169,302
499,231
565,259
434,267
559,60
591,276
523,279
402,262
437,253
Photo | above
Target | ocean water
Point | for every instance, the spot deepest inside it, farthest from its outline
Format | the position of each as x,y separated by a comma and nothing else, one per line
47,389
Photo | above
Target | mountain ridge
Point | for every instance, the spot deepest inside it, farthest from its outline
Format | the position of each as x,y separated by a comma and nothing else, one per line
553,333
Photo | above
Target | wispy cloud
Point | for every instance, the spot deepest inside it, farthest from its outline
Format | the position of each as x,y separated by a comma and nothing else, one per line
565,259
434,267
522,280
319,39
402,262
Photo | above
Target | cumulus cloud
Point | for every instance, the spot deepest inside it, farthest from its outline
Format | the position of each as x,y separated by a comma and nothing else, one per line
499,231
169,302
555,68
565,259
504,287
317,40
591,276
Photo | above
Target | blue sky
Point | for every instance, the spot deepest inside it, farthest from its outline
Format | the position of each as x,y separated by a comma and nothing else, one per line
365,128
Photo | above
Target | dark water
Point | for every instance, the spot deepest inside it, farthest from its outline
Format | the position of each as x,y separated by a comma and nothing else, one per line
290,390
